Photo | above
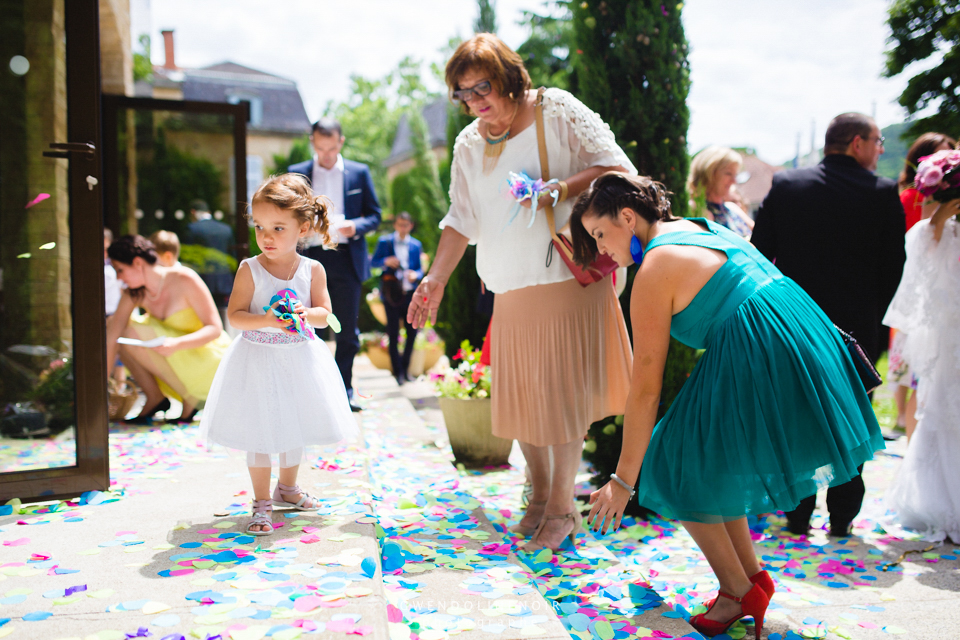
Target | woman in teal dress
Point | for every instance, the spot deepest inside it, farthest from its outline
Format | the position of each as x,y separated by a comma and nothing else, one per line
773,410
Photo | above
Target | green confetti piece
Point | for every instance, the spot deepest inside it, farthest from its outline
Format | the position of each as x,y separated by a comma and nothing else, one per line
894,630
545,555
334,324
604,629
48,246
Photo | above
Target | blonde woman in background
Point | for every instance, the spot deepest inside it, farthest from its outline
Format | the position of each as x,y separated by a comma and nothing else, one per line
713,172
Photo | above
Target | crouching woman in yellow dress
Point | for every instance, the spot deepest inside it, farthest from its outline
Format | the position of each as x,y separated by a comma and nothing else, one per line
181,311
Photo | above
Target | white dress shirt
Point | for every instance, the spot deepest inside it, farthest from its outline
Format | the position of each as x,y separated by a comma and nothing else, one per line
329,182
401,248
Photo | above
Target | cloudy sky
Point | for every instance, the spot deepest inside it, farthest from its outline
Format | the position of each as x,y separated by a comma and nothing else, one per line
764,71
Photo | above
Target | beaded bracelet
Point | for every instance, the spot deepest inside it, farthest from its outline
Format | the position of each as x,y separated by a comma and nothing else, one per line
623,484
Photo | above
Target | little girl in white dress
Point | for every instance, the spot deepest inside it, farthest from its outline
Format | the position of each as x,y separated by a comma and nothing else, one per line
278,390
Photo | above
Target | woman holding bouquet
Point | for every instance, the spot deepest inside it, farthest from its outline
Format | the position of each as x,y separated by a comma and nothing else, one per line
560,353
925,495
899,375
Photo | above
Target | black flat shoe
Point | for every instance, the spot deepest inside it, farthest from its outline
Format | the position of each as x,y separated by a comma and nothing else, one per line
355,407
187,419
147,418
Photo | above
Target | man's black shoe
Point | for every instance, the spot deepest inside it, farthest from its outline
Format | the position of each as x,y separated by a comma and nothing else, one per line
355,407
840,531
798,528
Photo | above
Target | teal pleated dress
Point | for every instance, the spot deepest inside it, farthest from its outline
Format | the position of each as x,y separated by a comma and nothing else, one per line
773,410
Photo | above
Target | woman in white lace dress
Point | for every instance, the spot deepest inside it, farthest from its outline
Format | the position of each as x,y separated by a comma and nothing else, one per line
925,495
560,354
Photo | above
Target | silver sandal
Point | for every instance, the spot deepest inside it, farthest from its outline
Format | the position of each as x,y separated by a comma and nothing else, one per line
262,517
278,500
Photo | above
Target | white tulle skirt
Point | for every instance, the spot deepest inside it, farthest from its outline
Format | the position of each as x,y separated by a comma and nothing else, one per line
275,393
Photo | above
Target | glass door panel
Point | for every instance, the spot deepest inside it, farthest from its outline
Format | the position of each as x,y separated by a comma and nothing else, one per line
38,414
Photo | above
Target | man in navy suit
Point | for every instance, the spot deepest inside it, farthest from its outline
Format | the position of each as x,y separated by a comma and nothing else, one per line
356,212
398,253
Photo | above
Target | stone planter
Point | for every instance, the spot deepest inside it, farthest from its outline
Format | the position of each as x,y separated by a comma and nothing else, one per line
421,360
468,425
377,309
379,357
431,355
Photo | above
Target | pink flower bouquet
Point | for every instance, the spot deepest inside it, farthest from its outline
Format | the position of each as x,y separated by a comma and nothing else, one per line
938,176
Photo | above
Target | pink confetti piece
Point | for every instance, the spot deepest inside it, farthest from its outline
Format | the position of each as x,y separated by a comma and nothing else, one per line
337,626
40,198
309,539
394,614
16,543
364,630
309,603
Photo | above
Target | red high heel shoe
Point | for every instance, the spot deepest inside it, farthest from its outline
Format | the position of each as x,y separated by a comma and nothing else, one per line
753,604
766,583
761,578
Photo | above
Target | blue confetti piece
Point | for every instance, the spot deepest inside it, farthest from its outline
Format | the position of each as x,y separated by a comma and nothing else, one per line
6,510
672,614
369,567
13,600
168,620
835,585
191,545
61,572
4,621
37,616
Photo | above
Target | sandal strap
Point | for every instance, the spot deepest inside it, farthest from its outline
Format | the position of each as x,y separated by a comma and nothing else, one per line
729,597
262,506
565,516
304,496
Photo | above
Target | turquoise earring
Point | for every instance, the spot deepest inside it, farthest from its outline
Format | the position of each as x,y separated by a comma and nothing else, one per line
636,250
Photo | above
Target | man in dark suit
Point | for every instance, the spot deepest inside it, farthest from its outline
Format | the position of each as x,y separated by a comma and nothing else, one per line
837,230
398,253
356,212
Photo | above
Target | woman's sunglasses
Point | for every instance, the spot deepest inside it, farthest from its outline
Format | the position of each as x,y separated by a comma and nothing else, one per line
478,90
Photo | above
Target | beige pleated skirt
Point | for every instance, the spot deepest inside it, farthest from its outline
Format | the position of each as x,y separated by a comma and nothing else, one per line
560,360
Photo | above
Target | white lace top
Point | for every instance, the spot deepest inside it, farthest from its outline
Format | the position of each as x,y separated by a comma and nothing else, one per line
514,256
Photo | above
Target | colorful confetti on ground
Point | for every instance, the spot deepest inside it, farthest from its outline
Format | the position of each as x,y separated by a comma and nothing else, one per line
448,565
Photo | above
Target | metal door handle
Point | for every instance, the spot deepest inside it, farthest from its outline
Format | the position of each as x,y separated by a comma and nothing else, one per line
64,149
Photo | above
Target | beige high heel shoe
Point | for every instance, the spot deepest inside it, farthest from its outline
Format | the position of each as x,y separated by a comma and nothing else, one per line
527,531
534,545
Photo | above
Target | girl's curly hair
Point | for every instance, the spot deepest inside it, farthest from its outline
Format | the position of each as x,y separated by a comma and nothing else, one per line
291,192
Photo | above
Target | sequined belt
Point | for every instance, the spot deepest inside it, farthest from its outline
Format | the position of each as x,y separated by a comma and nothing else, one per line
272,337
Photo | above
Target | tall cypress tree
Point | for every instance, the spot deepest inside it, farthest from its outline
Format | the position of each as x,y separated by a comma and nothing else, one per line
633,70
486,21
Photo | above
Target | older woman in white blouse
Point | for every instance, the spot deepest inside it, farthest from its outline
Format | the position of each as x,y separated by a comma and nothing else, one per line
560,354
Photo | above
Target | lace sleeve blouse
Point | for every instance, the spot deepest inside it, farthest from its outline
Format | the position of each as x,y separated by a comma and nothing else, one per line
512,255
